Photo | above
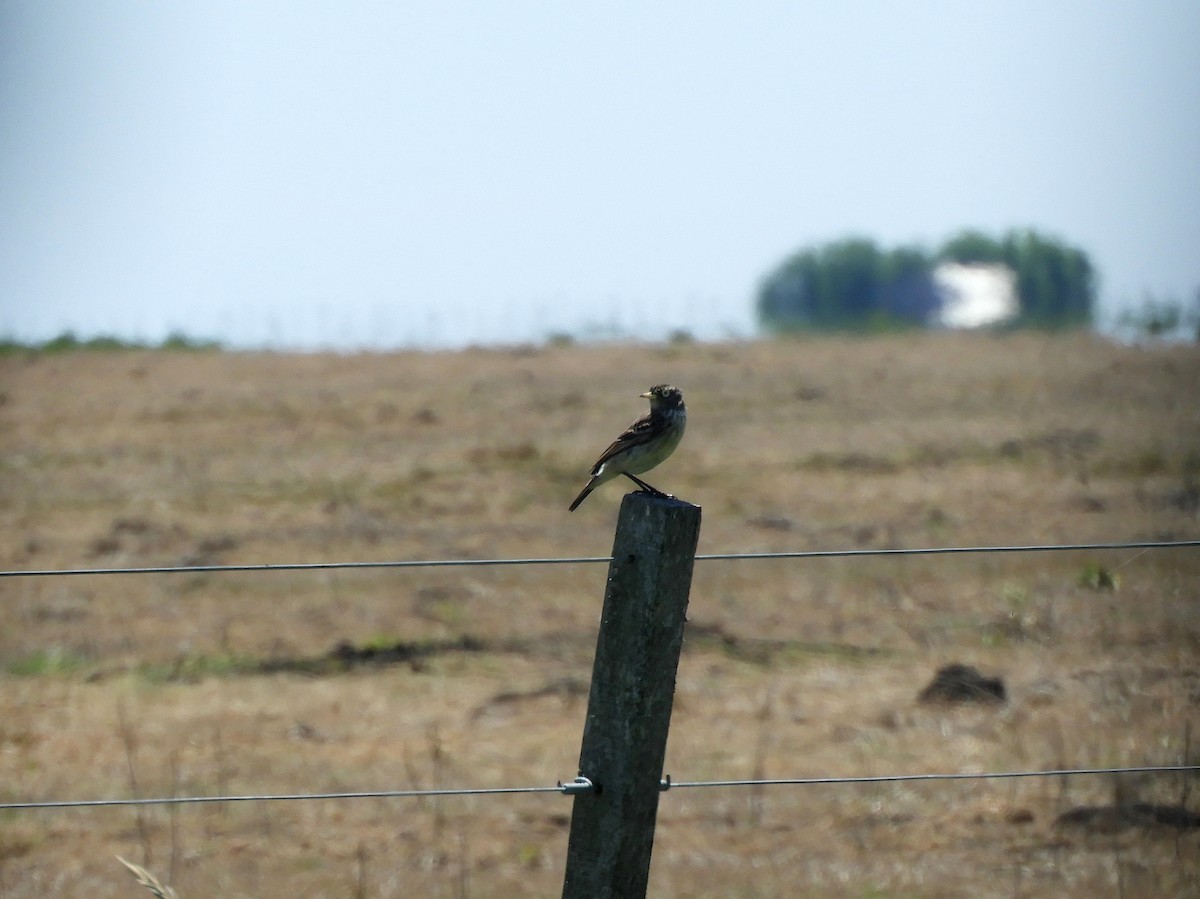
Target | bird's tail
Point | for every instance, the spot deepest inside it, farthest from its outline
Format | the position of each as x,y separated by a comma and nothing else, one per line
583,494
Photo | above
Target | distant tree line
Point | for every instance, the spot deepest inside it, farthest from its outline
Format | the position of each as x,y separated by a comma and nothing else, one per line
67,342
854,284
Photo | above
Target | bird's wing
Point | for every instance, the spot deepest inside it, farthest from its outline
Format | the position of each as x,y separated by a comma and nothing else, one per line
641,431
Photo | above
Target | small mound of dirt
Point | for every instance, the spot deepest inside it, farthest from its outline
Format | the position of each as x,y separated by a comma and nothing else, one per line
962,683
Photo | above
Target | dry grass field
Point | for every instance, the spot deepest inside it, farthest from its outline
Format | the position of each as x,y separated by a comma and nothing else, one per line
234,683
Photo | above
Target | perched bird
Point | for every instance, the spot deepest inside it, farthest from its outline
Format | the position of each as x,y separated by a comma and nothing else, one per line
644,444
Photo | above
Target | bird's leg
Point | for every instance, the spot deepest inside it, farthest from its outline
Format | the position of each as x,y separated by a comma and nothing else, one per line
646,488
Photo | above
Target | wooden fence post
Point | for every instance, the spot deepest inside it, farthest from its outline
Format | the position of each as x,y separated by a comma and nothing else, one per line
629,706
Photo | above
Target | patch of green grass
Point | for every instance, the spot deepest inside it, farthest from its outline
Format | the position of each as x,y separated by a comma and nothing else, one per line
763,651
452,612
1024,620
380,642
190,669
1097,577
52,662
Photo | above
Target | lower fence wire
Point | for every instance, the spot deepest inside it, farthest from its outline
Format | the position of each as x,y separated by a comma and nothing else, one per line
573,787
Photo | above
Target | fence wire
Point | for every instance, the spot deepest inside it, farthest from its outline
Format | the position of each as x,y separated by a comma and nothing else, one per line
586,560
572,788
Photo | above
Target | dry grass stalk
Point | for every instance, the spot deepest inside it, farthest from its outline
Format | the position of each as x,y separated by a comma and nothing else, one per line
149,881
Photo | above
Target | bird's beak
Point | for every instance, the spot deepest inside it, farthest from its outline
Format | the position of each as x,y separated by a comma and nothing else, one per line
646,395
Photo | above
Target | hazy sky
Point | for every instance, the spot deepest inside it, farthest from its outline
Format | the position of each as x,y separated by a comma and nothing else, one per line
381,173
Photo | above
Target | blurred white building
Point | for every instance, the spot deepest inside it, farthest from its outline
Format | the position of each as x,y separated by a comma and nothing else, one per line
975,295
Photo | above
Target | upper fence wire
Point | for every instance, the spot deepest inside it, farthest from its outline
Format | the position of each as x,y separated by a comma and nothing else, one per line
578,560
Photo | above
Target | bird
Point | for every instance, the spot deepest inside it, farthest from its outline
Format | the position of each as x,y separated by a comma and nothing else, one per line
642,445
